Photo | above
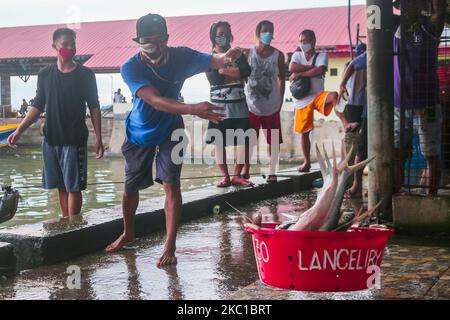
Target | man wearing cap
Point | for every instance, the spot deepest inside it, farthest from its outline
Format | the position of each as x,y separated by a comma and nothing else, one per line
155,77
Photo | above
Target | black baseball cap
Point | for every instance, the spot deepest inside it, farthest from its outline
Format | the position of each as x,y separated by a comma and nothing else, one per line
150,25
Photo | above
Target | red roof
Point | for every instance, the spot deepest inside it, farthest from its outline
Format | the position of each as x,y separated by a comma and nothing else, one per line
109,42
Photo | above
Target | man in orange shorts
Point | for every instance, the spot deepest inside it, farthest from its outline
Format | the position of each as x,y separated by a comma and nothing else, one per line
313,65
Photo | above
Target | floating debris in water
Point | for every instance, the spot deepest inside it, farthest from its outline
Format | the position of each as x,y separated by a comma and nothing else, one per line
216,209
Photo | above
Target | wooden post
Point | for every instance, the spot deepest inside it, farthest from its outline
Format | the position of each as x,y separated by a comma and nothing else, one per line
380,98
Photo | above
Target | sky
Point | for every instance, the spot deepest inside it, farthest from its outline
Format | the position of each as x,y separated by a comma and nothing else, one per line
33,12
37,12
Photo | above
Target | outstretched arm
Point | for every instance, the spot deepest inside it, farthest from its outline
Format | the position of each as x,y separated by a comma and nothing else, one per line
203,110
221,60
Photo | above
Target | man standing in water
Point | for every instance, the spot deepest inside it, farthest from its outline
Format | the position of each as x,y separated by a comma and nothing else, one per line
155,77
63,91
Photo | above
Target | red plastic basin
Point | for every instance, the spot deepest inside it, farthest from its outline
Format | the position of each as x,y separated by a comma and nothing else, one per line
319,261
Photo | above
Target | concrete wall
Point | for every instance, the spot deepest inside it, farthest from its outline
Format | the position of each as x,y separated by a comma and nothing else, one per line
34,136
422,215
325,132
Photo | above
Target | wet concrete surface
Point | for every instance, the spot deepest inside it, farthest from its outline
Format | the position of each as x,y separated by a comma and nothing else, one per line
7,259
41,243
216,261
408,272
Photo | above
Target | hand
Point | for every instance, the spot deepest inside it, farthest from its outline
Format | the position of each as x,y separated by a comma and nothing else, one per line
233,54
343,93
294,76
99,149
13,138
208,111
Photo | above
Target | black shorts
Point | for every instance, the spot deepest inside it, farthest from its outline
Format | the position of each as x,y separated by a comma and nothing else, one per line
353,113
139,163
361,141
232,124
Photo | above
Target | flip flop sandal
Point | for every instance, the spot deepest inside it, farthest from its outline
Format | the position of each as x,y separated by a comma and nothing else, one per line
271,179
223,184
243,183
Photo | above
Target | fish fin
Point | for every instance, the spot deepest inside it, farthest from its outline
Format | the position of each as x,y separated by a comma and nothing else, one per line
360,165
251,225
358,218
360,211
335,167
368,213
344,163
327,159
323,168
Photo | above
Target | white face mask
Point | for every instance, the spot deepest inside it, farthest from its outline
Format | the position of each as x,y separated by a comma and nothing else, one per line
306,47
149,48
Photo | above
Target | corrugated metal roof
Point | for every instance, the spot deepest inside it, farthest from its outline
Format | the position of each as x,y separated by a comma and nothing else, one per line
110,43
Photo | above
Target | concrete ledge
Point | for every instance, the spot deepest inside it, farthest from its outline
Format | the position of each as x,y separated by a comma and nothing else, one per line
35,244
7,259
422,214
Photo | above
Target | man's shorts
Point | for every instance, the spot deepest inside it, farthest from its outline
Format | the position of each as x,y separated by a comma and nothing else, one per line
304,117
361,141
357,139
139,164
267,123
428,122
65,167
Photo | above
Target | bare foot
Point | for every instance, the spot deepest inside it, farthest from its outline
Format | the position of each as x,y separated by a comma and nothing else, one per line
168,258
353,193
304,168
350,127
117,245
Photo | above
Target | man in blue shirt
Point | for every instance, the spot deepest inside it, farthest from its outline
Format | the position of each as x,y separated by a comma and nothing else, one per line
155,77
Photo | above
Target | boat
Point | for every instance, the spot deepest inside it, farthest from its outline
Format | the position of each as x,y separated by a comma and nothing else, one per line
5,131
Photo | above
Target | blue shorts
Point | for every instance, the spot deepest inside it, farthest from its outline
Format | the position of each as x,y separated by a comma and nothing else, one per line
139,163
65,167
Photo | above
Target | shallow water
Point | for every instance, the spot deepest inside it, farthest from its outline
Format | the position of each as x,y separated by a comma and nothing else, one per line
22,168
215,258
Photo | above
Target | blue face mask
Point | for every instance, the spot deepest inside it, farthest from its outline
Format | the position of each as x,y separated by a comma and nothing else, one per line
266,37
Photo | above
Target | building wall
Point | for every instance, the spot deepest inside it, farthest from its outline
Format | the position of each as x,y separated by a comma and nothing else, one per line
332,82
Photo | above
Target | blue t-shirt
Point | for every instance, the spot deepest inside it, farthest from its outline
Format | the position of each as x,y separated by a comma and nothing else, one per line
145,125
360,63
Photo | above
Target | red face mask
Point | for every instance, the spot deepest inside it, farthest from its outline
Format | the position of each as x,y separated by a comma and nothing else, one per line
67,53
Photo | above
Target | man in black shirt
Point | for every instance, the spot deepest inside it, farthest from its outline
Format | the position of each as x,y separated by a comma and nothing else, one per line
63,91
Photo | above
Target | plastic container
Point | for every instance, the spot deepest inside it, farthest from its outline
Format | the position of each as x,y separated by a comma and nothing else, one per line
319,261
